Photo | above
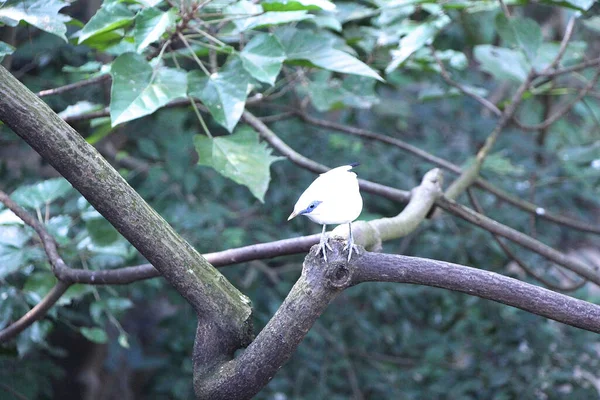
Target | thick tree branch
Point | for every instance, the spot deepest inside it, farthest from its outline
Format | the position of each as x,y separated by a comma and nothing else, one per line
481,283
244,376
366,233
452,207
219,305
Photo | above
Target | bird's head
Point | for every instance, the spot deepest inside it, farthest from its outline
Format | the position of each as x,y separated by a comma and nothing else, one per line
304,208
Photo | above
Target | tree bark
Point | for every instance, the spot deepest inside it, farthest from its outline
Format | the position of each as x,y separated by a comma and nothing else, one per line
221,308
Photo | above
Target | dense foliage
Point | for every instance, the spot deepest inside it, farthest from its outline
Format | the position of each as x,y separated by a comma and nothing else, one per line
372,64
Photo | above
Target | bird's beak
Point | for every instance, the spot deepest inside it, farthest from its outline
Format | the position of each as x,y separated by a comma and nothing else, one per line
292,215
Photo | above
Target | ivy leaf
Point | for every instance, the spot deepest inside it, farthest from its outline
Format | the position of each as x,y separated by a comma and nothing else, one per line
109,17
239,157
354,91
138,89
259,17
5,49
306,45
11,259
504,64
41,193
296,5
150,25
581,5
524,33
43,14
223,93
94,334
262,57
418,36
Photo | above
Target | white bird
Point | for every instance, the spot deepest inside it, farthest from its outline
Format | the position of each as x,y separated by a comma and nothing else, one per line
333,198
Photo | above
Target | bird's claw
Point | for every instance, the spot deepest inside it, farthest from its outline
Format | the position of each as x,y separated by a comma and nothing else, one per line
351,248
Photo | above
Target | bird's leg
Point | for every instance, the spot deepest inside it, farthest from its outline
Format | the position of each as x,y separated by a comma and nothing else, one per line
350,245
324,244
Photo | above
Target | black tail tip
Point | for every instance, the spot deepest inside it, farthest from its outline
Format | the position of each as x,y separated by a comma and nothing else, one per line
354,164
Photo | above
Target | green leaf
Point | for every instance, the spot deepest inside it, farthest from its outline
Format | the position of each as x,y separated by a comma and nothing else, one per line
14,235
101,231
499,163
582,5
296,5
110,16
43,14
327,21
5,49
40,283
257,17
111,305
504,64
94,334
262,57
436,92
150,25
419,35
354,91
318,49
592,23
239,157
524,33
41,193
12,259
223,93
547,52
139,90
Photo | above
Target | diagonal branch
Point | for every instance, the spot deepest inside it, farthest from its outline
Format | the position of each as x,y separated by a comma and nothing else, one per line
73,86
511,255
35,313
591,273
306,163
243,376
482,100
58,265
448,205
481,183
220,306
564,109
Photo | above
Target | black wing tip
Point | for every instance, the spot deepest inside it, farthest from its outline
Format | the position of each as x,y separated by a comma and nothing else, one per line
354,164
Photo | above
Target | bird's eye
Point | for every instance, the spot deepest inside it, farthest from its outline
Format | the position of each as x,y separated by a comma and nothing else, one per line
311,206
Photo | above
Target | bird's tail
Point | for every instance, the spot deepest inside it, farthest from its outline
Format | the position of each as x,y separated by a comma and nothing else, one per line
354,164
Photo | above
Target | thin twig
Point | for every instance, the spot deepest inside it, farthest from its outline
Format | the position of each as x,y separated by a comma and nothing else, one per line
483,101
511,255
505,9
35,313
563,46
73,86
563,110
58,265
193,54
12,391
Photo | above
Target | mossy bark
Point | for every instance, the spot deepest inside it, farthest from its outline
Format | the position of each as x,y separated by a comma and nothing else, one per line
221,308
